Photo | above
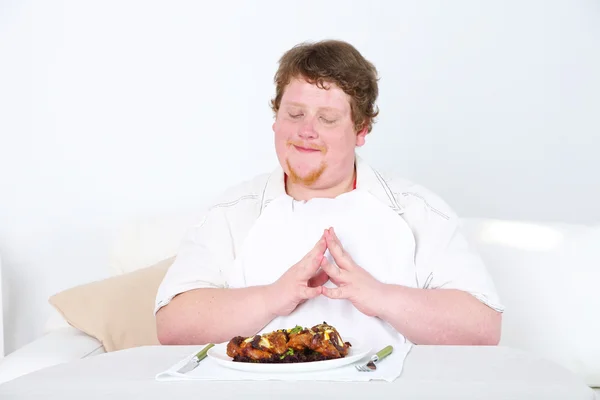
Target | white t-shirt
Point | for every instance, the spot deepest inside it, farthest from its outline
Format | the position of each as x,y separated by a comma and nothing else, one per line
426,228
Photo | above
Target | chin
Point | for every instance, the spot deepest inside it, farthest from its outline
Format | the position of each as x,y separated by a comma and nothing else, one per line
301,167
305,173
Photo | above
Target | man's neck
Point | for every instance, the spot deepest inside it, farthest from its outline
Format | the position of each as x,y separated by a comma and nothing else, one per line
303,193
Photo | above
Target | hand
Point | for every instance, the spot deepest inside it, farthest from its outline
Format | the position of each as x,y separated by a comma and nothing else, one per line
354,283
299,283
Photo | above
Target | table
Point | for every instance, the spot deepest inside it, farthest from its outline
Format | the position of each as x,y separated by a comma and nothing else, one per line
430,372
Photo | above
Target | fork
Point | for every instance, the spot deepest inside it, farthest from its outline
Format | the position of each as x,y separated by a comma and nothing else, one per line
380,355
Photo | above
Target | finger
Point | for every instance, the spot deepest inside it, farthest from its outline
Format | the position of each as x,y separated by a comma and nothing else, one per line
310,256
320,246
318,279
312,292
317,250
310,267
341,257
336,293
313,261
334,273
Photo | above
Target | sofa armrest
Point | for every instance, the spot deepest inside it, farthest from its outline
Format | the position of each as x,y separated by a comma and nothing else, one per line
56,347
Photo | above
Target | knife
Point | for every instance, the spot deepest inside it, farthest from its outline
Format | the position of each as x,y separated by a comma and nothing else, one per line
194,361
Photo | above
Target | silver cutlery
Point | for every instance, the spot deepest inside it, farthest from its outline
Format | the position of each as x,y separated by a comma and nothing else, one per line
194,361
377,357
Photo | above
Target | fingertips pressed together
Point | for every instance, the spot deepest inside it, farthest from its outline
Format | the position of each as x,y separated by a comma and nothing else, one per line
334,293
312,292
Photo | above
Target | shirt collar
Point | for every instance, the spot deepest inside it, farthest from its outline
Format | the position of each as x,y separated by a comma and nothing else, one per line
367,179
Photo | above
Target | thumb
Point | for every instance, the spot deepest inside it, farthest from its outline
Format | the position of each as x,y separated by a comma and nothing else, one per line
312,292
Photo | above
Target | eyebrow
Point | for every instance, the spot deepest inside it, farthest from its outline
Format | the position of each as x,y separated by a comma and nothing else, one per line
330,109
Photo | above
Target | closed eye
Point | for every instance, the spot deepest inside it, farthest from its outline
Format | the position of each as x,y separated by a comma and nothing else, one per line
328,121
295,116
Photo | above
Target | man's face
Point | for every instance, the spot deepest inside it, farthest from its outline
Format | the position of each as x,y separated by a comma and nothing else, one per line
314,134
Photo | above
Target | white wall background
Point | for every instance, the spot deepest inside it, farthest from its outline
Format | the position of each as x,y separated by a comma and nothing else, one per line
114,109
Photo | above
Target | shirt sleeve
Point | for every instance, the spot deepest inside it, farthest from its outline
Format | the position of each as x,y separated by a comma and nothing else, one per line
444,258
205,252
454,264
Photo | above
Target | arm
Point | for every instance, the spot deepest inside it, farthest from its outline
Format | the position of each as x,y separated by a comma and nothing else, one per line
423,316
210,315
193,303
457,303
439,316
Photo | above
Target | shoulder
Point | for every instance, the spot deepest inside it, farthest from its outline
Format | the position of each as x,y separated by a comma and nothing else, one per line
248,191
431,219
414,198
240,201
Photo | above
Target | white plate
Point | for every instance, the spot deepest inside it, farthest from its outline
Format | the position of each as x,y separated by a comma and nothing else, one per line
356,352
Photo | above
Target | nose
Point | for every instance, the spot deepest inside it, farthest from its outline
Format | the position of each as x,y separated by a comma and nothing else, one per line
307,129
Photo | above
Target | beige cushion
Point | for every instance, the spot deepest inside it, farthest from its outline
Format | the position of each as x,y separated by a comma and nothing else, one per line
118,311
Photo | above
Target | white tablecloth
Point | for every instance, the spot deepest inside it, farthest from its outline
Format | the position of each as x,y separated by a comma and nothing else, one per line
209,369
430,372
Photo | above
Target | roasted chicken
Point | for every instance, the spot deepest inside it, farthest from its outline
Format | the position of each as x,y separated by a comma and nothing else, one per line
321,342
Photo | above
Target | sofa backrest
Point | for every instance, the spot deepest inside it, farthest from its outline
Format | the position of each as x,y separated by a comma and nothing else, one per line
548,277
1,313
146,241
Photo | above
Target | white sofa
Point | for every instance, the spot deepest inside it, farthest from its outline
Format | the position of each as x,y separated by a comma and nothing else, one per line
548,275
1,313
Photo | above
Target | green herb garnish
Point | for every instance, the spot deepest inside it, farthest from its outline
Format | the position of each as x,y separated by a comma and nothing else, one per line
290,352
296,329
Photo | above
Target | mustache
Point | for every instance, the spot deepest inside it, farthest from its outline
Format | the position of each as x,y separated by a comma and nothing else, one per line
322,149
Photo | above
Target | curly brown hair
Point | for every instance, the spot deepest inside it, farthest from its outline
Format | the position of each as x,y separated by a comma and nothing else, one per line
332,61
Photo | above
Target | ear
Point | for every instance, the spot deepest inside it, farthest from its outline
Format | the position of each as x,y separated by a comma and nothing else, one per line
361,135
